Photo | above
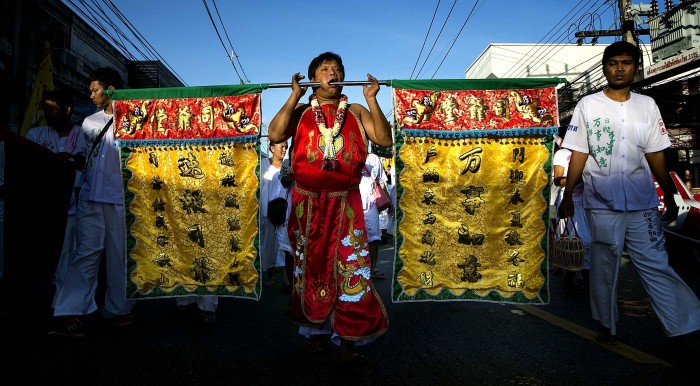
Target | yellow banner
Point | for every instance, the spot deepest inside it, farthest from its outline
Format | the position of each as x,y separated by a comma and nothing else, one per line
34,116
471,218
195,210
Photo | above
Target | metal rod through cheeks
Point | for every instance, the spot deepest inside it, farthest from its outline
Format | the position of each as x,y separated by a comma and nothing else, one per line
318,84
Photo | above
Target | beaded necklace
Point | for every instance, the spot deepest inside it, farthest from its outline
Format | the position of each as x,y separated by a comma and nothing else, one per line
329,153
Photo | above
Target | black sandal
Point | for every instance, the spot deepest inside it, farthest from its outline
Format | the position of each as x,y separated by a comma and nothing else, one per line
605,337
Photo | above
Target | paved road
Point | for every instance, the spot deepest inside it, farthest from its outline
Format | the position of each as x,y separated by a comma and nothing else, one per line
428,343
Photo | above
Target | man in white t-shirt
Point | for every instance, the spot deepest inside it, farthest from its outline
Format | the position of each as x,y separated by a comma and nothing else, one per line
617,139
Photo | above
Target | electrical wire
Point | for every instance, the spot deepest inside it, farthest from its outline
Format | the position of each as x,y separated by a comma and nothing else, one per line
474,8
425,40
98,18
206,6
436,39
574,12
233,52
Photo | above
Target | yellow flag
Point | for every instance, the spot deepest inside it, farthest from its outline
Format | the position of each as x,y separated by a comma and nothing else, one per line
34,116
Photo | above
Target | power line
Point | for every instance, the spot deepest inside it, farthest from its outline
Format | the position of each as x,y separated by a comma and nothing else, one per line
456,37
425,40
436,39
233,52
206,6
142,39
98,18
546,53
550,32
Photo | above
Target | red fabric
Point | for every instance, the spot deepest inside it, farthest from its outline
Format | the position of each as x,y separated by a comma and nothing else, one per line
187,118
326,210
475,109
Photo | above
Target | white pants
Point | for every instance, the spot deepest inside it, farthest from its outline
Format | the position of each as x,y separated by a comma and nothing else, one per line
67,253
372,224
274,241
674,303
101,228
204,302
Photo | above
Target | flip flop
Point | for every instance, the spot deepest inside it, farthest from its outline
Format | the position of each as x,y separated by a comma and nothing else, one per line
315,344
354,361
606,338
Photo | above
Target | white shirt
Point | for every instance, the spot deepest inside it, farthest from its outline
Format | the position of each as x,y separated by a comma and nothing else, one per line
616,135
562,157
49,138
270,184
103,175
373,169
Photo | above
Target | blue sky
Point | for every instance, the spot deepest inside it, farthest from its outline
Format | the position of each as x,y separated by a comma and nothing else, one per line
275,39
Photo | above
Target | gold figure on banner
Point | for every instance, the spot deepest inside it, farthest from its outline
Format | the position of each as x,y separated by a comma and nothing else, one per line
236,119
422,110
196,235
502,109
429,197
427,257
193,202
477,111
472,160
163,260
464,237
515,280
136,118
426,278
470,268
160,117
428,238
207,116
432,152
529,108
183,117
514,258
231,201
202,269
450,108
189,167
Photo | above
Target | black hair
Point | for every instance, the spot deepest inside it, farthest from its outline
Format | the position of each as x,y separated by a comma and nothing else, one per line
62,99
621,48
324,57
107,76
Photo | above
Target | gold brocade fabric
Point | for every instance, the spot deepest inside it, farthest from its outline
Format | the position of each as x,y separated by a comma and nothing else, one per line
472,216
195,210
473,177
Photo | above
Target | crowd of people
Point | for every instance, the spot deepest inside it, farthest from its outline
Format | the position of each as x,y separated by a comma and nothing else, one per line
95,231
324,253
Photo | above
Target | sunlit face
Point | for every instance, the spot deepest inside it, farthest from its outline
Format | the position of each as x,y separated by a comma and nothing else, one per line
619,71
279,150
329,71
97,95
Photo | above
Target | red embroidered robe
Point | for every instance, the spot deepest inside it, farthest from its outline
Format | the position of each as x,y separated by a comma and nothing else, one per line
327,233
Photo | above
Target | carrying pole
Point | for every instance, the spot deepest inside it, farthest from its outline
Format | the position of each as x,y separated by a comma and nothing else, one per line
318,84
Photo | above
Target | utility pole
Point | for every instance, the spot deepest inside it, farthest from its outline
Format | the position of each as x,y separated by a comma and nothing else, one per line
627,30
627,24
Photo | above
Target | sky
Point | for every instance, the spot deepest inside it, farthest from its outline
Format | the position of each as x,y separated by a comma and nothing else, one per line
275,39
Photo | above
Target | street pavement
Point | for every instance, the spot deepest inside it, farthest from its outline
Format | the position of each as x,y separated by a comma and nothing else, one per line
428,343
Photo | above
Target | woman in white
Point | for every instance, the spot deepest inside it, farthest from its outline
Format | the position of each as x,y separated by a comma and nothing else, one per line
275,251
